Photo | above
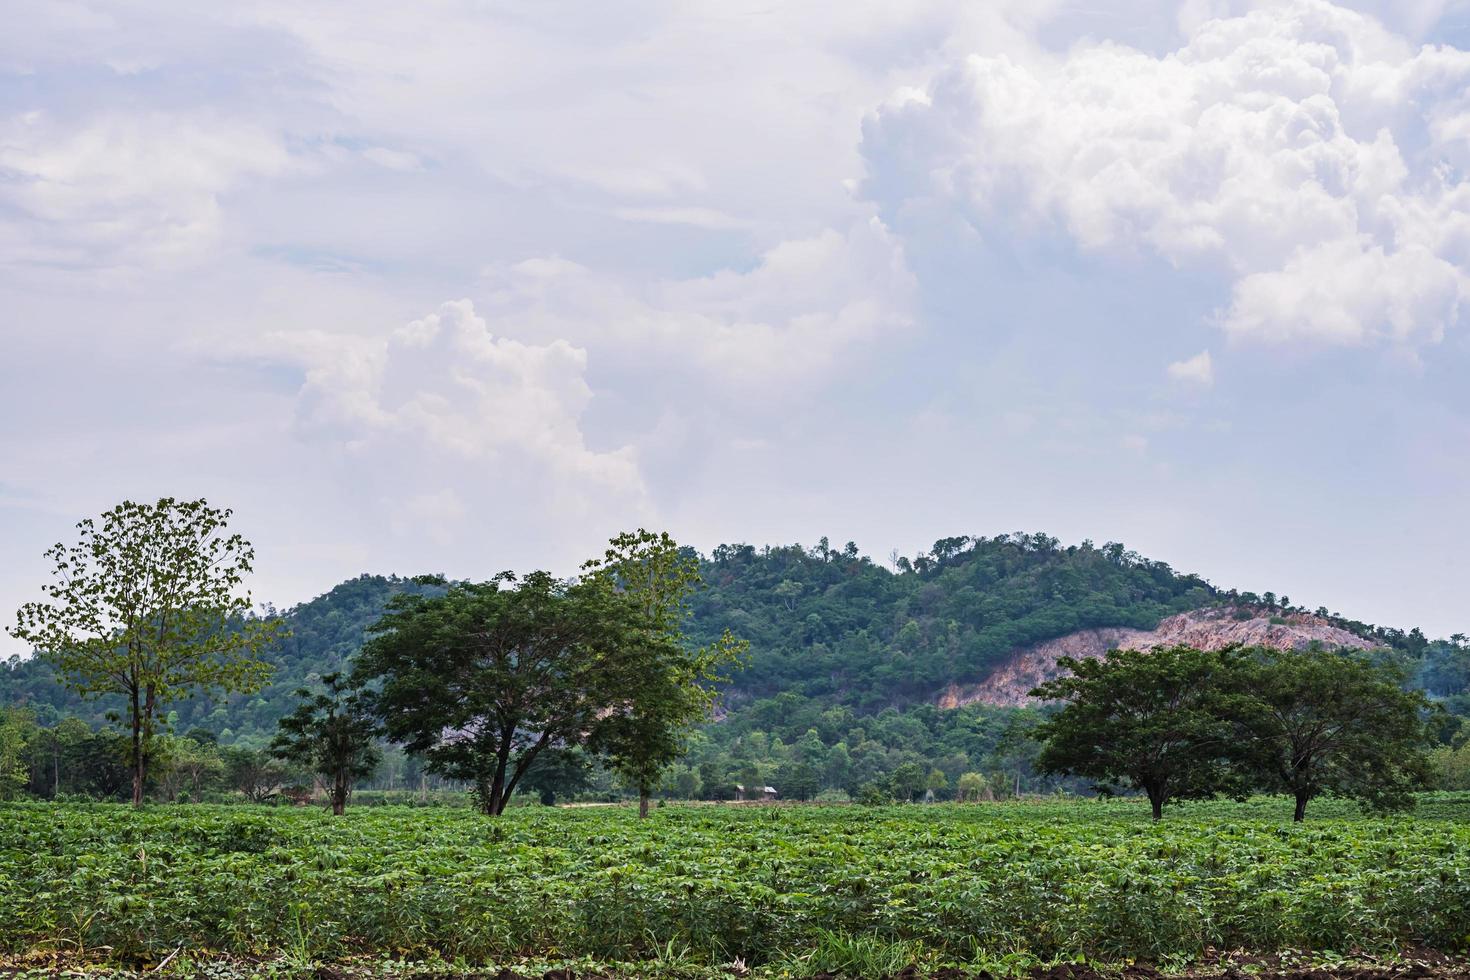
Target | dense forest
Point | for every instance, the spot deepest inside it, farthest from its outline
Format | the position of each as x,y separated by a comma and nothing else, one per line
846,657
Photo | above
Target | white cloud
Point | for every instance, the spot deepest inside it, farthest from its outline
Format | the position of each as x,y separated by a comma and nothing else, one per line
806,306
1197,370
1310,153
124,189
445,386
1348,291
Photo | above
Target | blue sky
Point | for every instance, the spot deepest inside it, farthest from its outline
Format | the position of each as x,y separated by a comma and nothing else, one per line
460,287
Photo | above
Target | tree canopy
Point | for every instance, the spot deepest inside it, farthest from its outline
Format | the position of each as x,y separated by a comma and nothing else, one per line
1182,723
484,678
1144,720
149,604
333,735
1326,722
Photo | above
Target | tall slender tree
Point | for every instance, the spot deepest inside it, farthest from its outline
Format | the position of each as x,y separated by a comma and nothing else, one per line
333,735
149,604
674,689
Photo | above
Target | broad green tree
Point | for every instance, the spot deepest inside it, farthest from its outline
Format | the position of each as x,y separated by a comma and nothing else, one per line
674,689
972,787
17,731
485,677
184,767
1145,720
252,773
908,781
333,735
1453,766
798,781
1327,722
149,604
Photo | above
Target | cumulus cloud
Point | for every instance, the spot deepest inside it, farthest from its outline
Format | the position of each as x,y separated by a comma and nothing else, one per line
804,307
1197,370
1302,148
445,386
124,189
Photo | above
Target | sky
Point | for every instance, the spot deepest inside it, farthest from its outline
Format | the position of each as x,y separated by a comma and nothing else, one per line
466,286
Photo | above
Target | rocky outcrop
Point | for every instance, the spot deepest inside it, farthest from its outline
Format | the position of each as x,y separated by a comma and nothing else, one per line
1208,629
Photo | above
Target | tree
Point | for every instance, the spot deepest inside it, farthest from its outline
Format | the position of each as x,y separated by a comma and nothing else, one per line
752,783
1323,721
1454,766
908,780
183,767
17,730
558,773
485,677
333,734
1147,720
253,774
798,781
686,783
148,605
972,787
673,690
936,784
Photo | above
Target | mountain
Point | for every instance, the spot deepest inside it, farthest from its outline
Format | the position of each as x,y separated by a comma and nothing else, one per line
972,621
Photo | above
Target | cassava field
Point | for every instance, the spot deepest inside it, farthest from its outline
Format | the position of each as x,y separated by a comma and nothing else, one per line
778,890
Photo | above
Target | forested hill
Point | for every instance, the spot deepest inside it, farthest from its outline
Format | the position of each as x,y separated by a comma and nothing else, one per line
325,633
835,626
827,627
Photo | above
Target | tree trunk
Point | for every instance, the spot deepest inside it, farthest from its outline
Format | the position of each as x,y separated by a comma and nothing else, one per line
140,766
642,802
339,795
1301,807
1156,801
495,803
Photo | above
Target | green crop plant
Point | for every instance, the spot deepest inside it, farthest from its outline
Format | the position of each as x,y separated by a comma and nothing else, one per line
706,885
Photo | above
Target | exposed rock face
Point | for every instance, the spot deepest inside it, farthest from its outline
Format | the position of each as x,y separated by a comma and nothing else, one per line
1206,629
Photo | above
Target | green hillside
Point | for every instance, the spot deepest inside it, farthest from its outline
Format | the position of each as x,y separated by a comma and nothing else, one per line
846,654
835,626
325,633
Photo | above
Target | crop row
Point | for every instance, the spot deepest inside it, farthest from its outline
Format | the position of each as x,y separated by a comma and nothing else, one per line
1048,881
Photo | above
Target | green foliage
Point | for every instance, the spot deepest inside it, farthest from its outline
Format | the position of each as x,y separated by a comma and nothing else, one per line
324,636
1182,723
484,678
848,649
673,686
834,627
1146,720
331,734
17,730
183,767
147,605
971,884
253,773
1453,766
1319,721
972,788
